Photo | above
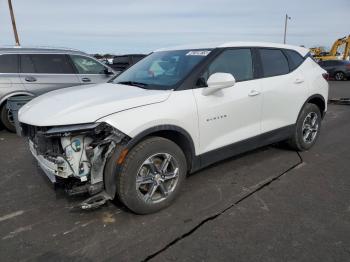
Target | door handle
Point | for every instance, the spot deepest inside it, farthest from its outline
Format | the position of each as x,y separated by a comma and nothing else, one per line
299,81
254,93
86,79
30,79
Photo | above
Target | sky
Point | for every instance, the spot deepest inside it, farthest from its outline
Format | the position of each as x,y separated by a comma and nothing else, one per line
140,26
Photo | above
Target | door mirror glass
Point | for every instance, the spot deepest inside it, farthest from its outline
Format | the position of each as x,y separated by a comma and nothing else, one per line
218,81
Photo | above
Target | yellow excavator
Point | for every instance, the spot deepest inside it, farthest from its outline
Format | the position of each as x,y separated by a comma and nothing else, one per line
317,51
347,49
333,53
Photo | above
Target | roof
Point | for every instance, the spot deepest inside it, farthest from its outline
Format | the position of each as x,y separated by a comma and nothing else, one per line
19,50
303,51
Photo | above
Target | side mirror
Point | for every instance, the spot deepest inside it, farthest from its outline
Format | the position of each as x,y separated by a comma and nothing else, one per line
218,81
108,71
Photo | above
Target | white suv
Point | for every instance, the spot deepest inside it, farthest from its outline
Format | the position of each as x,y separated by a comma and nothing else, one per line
176,111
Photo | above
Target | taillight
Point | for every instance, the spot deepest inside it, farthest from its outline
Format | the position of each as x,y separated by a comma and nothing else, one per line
325,76
348,66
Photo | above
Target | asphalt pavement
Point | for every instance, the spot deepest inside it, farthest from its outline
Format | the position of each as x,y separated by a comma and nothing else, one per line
271,204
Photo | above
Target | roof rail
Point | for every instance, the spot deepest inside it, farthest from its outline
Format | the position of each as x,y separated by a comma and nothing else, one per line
43,47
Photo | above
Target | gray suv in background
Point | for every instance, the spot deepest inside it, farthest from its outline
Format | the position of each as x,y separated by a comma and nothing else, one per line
34,71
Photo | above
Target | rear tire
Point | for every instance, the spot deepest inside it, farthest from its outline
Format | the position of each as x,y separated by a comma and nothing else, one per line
6,120
307,128
151,175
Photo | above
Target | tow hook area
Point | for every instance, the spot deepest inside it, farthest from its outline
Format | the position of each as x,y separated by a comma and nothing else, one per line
95,201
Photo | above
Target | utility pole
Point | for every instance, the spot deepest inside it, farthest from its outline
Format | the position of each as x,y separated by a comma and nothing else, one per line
285,28
13,23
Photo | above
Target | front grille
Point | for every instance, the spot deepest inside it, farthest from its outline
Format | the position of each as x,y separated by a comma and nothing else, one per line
31,131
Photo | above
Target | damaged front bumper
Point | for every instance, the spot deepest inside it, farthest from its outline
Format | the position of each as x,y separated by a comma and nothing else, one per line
75,153
49,168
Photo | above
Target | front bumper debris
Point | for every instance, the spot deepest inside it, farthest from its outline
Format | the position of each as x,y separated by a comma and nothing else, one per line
78,155
49,168
95,201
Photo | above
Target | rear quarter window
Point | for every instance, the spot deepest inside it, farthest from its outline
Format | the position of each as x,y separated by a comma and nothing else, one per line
294,59
8,63
274,62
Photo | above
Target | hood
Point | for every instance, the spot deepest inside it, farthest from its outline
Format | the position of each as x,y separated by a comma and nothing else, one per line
86,104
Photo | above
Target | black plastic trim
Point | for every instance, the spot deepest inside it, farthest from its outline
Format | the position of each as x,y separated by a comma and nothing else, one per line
259,70
208,158
312,97
240,147
155,129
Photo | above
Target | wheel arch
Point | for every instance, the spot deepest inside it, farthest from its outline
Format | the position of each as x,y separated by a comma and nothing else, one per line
4,99
319,101
175,134
316,99
19,93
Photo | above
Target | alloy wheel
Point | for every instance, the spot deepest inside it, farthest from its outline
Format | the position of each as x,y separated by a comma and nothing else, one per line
10,116
310,127
157,177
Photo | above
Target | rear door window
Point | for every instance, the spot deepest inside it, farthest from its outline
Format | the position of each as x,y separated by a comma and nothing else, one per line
8,63
27,65
46,64
87,65
294,59
274,62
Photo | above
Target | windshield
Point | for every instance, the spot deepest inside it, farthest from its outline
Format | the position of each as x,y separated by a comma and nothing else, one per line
162,70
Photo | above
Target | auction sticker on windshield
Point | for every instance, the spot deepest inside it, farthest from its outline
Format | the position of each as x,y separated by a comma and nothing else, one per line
199,52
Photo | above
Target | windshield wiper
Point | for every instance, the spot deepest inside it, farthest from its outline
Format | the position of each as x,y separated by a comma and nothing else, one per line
132,83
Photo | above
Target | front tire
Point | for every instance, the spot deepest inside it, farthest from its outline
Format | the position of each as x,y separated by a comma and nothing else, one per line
7,119
151,175
307,129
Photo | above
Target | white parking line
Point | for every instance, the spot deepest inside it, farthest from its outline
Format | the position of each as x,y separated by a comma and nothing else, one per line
12,215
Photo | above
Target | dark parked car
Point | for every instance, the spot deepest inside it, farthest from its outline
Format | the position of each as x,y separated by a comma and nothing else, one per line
122,62
337,69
